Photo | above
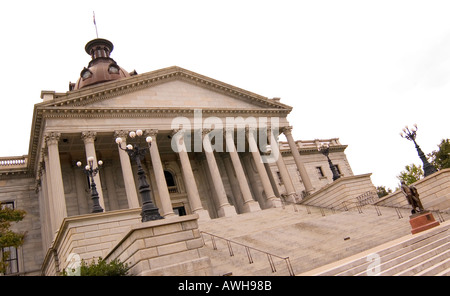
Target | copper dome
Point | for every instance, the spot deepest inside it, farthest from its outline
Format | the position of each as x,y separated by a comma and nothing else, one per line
101,68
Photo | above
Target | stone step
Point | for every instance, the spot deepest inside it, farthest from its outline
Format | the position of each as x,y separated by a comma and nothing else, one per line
433,269
445,272
305,238
396,249
397,266
388,254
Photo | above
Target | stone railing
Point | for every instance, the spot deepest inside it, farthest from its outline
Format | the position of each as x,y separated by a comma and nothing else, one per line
13,162
434,192
344,189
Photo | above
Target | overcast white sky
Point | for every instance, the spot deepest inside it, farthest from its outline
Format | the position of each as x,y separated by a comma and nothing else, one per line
356,70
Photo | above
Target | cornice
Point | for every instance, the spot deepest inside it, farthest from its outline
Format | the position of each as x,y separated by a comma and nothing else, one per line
79,112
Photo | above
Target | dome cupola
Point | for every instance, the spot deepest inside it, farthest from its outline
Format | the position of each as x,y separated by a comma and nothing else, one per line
101,68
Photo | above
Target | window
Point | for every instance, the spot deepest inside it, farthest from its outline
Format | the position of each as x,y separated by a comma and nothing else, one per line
170,181
12,262
180,211
337,169
169,178
320,172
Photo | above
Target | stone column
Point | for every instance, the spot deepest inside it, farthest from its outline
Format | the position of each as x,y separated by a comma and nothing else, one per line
188,176
44,214
57,198
236,200
287,181
88,139
272,200
249,204
48,196
225,209
301,168
163,191
127,172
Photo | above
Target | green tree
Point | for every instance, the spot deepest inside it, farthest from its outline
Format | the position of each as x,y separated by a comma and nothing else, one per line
9,238
382,191
411,174
441,158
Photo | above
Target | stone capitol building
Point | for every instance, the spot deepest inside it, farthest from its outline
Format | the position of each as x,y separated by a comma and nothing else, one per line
217,174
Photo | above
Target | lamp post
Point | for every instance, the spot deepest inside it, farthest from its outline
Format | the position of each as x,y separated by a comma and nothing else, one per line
136,153
91,172
325,150
411,134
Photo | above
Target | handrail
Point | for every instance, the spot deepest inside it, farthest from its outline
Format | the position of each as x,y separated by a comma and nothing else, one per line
247,250
346,204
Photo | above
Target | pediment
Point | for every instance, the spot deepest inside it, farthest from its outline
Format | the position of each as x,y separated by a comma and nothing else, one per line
175,94
172,87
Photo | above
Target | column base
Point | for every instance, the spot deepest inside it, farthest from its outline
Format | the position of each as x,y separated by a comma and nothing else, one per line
203,215
251,206
274,202
226,211
422,221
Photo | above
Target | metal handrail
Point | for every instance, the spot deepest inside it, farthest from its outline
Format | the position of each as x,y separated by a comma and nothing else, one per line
346,204
247,250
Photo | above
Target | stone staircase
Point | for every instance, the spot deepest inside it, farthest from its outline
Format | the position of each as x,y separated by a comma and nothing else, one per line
426,254
310,237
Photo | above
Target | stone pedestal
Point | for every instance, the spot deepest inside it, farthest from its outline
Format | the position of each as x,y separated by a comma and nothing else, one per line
422,221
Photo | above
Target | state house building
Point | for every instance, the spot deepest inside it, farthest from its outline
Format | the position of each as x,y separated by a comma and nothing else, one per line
177,108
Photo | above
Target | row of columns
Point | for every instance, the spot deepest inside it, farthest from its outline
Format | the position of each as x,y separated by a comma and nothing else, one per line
54,188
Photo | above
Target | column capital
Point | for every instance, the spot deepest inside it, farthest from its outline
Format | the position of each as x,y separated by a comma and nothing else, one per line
88,136
206,131
121,134
250,129
287,130
151,132
178,131
52,138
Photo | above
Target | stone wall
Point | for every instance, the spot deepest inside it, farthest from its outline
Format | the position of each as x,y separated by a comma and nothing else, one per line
163,247
434,192
344,189
20,191
90,236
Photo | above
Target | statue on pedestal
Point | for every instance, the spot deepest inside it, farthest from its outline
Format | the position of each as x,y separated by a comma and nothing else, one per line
413,197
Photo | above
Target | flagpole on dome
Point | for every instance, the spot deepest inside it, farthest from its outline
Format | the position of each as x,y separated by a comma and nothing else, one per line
95,24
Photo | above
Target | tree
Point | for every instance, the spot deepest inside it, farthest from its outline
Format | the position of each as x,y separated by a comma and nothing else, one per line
441,158
9,238
411,174
382,191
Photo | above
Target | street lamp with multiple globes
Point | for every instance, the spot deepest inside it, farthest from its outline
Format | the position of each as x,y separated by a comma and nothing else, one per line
325,150
411,134
136,153
91,172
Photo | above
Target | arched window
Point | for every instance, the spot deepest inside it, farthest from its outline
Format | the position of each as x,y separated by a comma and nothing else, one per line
170,181
169,178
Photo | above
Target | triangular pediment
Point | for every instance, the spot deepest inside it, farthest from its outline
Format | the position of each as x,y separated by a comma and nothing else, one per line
172,87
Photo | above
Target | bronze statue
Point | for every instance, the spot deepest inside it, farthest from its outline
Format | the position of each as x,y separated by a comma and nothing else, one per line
413,197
